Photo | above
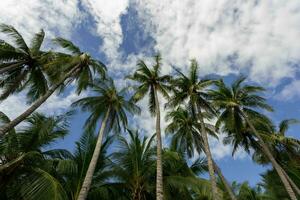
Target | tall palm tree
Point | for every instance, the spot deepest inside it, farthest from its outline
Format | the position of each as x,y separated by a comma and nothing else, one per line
283,148
238,104
62,70
111,107
25,169
191,90
187,137
21,65
151,81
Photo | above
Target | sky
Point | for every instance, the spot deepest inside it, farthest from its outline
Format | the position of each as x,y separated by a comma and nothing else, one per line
257,38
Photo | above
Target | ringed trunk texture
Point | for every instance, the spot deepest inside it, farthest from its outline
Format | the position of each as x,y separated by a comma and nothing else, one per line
296,188
5,128
159,170
92,166
209,158
225,182
268,153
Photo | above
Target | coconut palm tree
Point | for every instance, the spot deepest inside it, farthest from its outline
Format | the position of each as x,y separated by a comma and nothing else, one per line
134,165
186,137
191,90
21,65
71,170
25,169
238,104
283,148
111,107
151,81
65,68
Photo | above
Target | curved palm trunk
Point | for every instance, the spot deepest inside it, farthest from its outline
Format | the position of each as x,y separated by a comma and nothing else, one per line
296,188
268,153
225,182
5,128
159,170
91,169
209,159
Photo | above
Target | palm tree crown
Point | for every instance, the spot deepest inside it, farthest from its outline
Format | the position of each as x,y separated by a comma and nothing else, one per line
21,65
108,98
150,80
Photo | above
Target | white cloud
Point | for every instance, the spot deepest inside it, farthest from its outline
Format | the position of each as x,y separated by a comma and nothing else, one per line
54,16
107,15
220,151
289,92
14,105
259,35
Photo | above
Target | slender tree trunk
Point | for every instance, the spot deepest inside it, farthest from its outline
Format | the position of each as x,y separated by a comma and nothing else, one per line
11,67
5,128
209,158
159,170
268,153
296,188
91,169
225,182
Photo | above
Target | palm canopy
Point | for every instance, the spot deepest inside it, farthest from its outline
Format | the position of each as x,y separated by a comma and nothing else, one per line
21,65
134,165
108,99
150,81
81,63
25,164
185,131
282,146
192,90
72,169
237,99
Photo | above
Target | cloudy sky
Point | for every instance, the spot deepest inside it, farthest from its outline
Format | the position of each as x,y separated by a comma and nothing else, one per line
258,38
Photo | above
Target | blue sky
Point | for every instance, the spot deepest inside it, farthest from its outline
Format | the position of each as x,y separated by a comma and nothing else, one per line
259,39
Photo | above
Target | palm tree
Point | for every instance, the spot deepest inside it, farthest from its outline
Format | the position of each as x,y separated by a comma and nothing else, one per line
151,81
76,66
134,165
25,169
191,90
187,137
283,148
111,107
22,65
237,104
72,168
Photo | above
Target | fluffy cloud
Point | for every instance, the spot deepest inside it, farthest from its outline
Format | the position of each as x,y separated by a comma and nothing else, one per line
255,37
289,92
14,105
55,16
107,15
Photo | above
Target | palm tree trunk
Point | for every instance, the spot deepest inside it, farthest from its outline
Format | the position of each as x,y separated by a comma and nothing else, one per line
292,182
268,153
5,128
91,169
209,159
159,170
11,67
225,182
